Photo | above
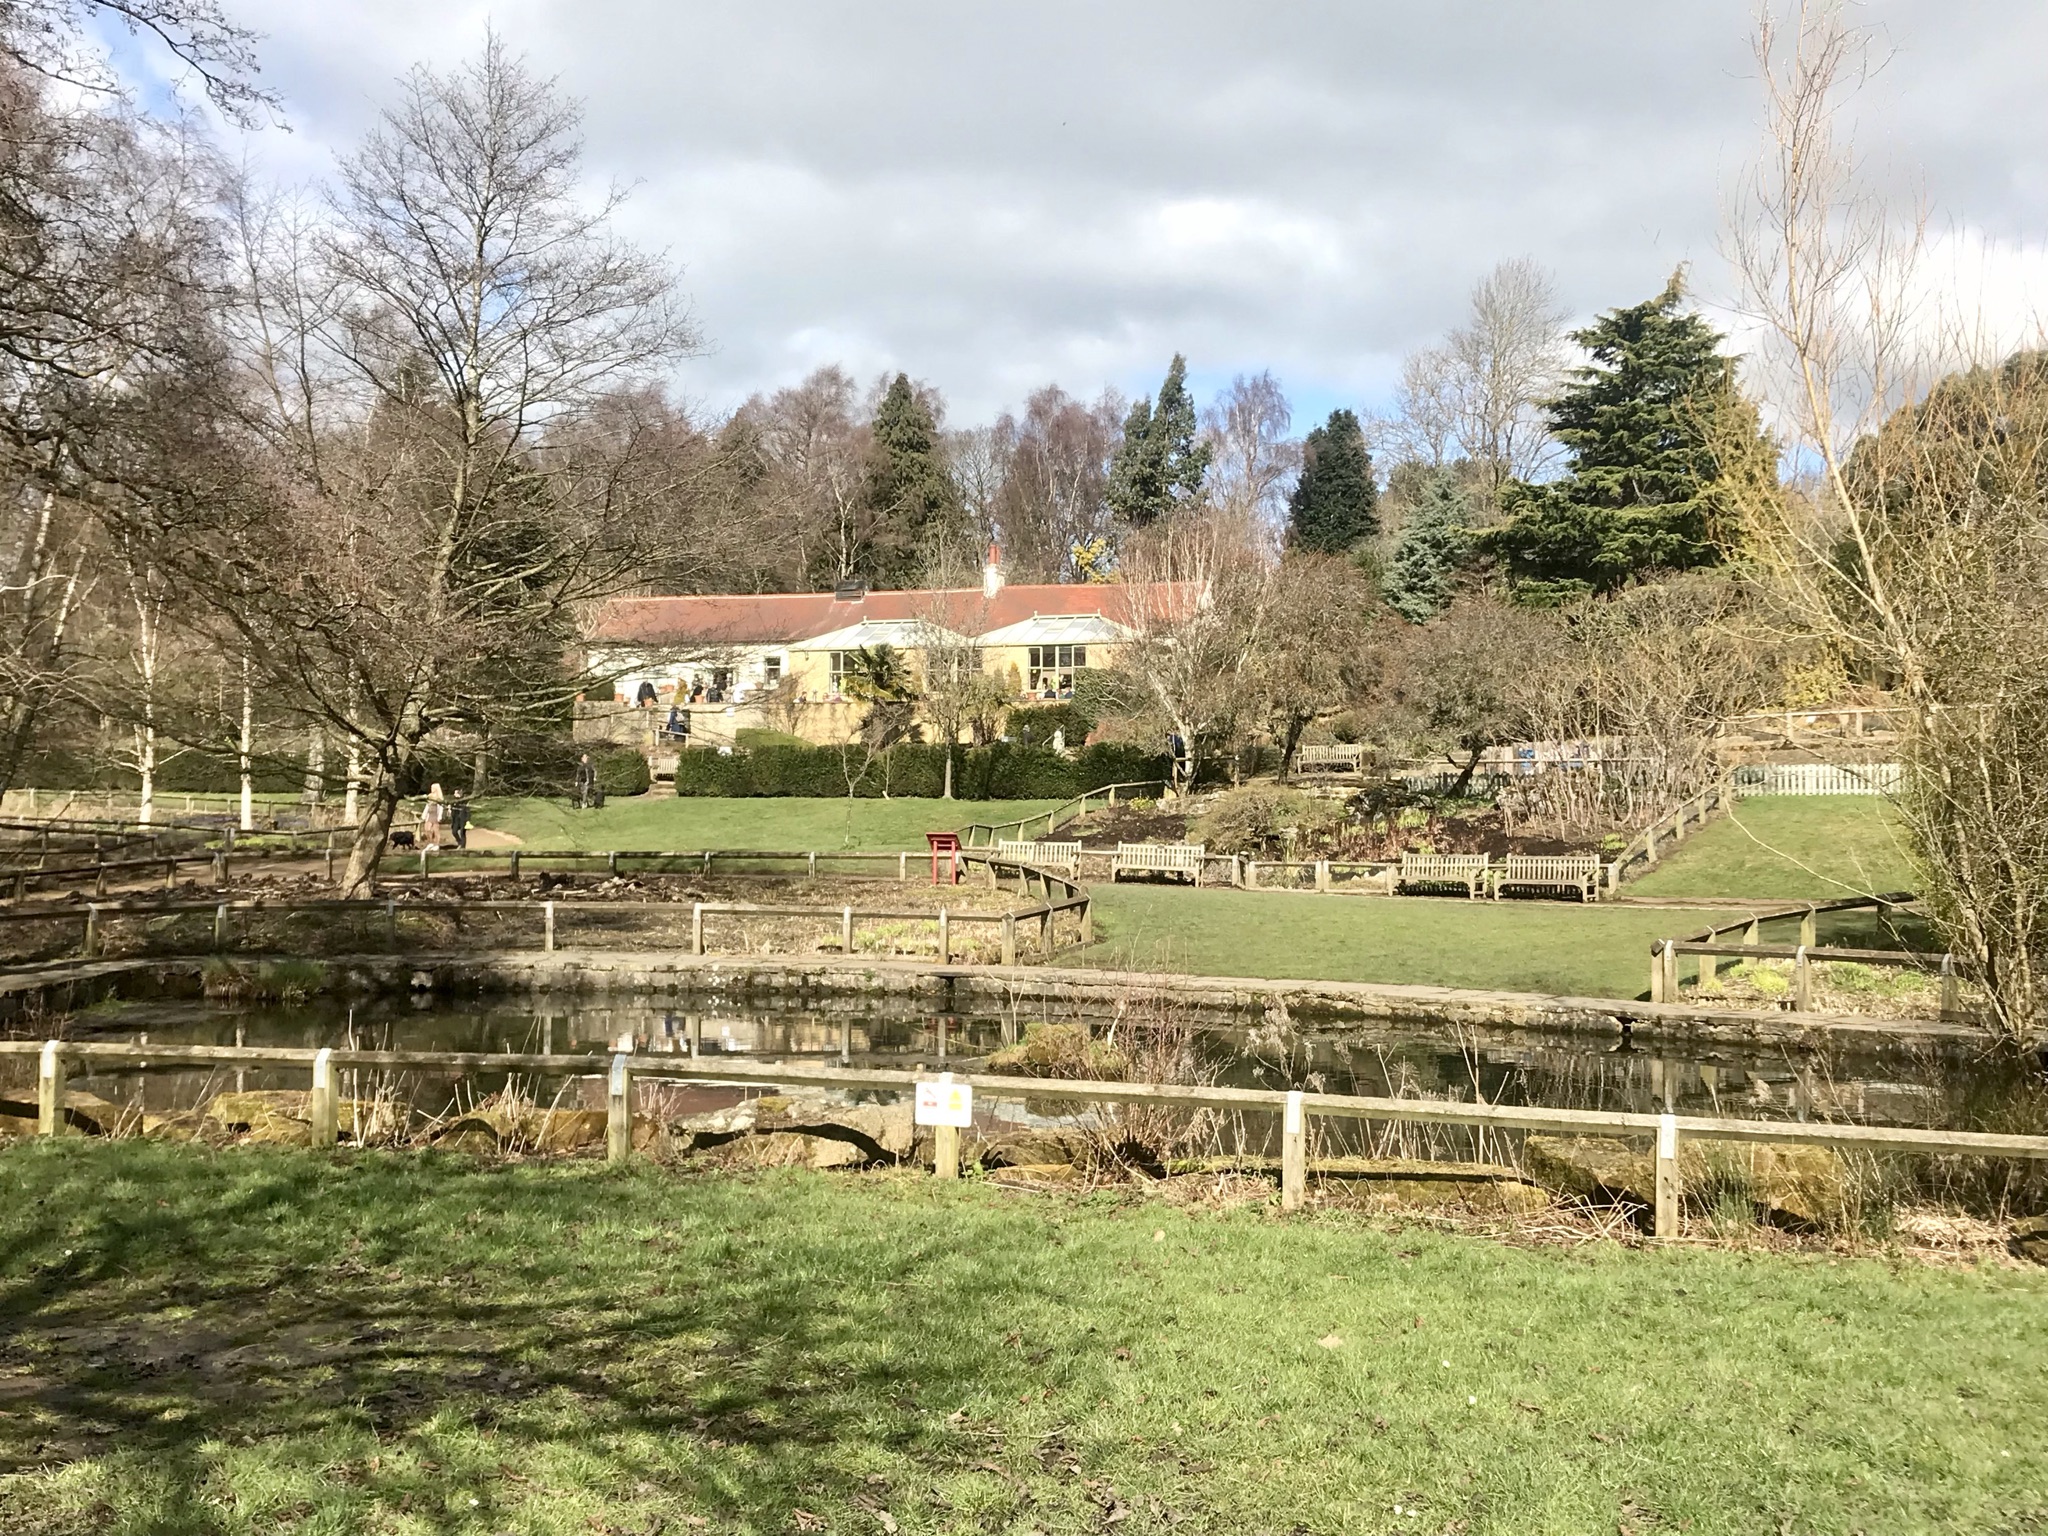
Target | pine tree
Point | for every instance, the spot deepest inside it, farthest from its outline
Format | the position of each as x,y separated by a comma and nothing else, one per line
913,504
1160,463
1335,505
1433,547
1652,424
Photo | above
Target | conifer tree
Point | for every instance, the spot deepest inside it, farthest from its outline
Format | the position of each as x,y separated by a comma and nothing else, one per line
1434,546
912,501
1654,423
1161,461
1335,505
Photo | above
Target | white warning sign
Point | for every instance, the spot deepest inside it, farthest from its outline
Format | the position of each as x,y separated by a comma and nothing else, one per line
944,1102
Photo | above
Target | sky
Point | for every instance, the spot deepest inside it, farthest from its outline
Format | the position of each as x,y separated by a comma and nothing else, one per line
994,197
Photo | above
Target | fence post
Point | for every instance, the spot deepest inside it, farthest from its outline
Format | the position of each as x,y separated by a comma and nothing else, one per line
1808,929
1293,1154
423,863
50,1092
1951,989
1667,1176
391,925
846,930
99,880
515,866
1088,920
611,863
945,939
902,867
1045,927
946,1144
1251,874
1802,981
1650,843
220,926
696,927
813,865
548,930
1009,938
1710,971
1112,797
92,929
330,859
1753,933
1322,874
618,1118
321,1107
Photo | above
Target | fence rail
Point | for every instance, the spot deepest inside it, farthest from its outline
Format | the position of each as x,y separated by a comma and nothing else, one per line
986,834
1817,779
1295,1108
1708,949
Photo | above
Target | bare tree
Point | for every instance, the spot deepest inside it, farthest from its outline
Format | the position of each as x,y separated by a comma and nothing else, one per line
1252,458
1052,514
442,494
1916,545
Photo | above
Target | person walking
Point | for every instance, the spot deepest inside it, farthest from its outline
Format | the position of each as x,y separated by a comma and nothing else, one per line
458,820
586,783
431,816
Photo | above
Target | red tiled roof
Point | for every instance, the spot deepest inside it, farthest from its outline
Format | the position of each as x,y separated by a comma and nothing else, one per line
781,618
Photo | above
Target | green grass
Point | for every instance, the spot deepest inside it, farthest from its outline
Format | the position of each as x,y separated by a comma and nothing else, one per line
1514,946
791,823
261,1341
1801,847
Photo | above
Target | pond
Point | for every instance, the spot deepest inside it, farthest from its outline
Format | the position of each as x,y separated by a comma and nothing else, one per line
1891,1088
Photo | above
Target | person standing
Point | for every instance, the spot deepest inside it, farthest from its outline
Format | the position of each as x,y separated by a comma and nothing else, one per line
586,783
431,815
458,820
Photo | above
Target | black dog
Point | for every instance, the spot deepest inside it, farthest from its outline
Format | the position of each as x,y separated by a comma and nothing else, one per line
403,839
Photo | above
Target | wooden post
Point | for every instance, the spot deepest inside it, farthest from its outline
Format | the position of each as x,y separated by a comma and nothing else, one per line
611,863
50,1092
220,868
1322,874
1802,982
1009,938
618,1119
1808,935
845,1039
515,866
1678,831
1751,934
321,1107
902,867
946,1145
423,863
846,930
1667,1176
220,926
812,865
1088,921
391,925
696,927
1045,929
1951,988
1293,1154
1668,956
1251,874
99,879
330,858
1112,797
548,926
1650,843
945,939
92,929
1710,969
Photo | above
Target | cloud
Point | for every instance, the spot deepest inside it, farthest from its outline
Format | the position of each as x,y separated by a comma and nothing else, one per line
994,197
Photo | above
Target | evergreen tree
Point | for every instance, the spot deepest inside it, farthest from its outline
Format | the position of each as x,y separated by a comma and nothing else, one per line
1161,461
1433,547
1335,505
1654,423
913,505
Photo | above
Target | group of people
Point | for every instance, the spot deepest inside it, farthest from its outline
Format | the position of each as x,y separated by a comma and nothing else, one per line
438,812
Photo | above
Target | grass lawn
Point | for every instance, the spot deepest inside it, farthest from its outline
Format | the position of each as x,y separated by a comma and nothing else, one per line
1805,847
797,825
263,1340
1515,946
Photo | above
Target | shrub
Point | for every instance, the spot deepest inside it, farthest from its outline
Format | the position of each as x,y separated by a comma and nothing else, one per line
913,770
1033,725
1256,820
750,737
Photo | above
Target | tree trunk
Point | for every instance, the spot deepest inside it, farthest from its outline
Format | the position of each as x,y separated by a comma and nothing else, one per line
1464,779
477,773
145,768
949,770
373,832
351,799
248,724
316,767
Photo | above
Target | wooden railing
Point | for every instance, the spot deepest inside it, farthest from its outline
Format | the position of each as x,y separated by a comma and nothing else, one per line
1645,848
1709,949
55,1058
985,834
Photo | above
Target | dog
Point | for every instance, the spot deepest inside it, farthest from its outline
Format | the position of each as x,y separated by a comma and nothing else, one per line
403,839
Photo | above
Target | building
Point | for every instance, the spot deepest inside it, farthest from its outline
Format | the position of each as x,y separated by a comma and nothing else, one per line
776,660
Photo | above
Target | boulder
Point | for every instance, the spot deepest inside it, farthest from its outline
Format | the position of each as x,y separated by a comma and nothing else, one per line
785,1149
86,1114
1789,1184
468,1133
1039,1148
273,1117
2030,1239
1394,1183
871,1133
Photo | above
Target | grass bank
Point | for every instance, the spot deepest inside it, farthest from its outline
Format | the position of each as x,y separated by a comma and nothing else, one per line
259,1341
1800,847
1514,946
647,822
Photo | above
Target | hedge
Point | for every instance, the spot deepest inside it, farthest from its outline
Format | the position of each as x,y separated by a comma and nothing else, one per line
915,771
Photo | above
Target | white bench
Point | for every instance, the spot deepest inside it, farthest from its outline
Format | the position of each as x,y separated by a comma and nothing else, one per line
1466,869
1342,757
1158,859
1065,856
1551,871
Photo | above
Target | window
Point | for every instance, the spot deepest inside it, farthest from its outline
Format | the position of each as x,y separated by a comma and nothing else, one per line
771,670
1053,668
838,670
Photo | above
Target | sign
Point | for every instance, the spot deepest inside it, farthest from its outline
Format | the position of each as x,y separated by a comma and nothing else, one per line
945,1102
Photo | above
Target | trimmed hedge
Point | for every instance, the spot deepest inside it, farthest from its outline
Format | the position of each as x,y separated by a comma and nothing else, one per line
915,770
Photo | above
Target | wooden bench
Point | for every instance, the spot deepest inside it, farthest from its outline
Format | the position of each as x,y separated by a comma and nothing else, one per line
1550,871
1342,757
1158,859
1466,869
1065,856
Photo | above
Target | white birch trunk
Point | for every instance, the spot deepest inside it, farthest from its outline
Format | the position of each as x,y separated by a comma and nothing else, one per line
248,728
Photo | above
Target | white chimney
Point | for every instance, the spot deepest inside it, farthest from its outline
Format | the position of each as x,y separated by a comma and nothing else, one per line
992,573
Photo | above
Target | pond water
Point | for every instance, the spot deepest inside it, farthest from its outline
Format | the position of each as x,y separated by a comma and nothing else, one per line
1505,1067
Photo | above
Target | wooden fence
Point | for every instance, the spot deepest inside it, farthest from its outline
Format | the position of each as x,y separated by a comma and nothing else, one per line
1294,1108
986,834
1709,949
1817,779
1644,849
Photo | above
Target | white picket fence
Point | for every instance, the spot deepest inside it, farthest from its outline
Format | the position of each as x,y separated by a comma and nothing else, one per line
1817,779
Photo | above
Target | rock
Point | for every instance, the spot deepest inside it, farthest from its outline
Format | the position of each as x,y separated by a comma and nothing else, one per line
273,1117
2030,1239
873,1133
85,1113
1789,1184
785,1149
1392,1183
1028,1148
469,1133
185,1125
